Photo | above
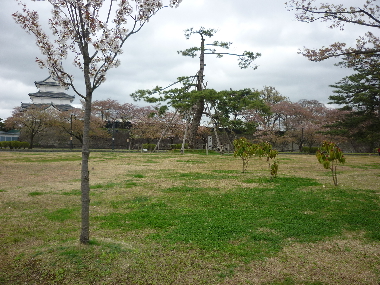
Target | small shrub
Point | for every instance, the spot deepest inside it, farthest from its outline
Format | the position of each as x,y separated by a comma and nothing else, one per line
178,146
265,149
25,145
245,150
5,144
16,144
329,155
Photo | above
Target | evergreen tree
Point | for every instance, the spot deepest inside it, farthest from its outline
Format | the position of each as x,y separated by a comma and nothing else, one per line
359,94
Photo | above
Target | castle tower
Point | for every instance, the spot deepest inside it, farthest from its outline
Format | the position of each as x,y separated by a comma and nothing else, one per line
50,95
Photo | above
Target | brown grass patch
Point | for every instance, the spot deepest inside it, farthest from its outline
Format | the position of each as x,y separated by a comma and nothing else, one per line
339,261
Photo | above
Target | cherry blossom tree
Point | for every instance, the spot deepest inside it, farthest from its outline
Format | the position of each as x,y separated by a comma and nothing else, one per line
338,16
71,123
94,31
107,110
33,121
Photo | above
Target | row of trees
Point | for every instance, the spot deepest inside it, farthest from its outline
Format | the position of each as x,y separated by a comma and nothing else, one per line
46,127
261,115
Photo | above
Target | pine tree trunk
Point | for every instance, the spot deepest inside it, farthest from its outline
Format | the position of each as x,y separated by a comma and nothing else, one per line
199,107
198,113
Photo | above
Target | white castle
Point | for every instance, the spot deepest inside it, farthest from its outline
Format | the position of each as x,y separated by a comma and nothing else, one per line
50,95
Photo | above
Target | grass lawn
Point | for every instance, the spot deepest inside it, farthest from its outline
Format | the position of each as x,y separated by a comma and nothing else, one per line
168,218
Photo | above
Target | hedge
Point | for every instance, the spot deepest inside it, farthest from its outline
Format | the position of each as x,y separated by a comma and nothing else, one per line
149,146
309,149
14,145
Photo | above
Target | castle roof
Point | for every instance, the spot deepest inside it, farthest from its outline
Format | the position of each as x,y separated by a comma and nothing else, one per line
49,94
60,107
50,81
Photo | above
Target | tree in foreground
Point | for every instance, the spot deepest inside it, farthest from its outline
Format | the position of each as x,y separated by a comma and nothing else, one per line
94,32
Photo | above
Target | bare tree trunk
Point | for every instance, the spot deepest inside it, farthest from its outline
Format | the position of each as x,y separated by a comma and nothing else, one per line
199,108
85,175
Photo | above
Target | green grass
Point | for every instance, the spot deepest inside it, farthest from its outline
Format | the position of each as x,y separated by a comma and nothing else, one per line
74,192
366,166
35,193
191,175
196,151
104,186
61,215
250,223
38,158
151,161
226,171
187,189
109,185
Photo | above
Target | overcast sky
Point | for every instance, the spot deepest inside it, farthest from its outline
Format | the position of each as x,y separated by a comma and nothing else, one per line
150,57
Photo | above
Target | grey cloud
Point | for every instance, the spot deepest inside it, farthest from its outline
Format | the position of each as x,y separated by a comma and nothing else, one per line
150,57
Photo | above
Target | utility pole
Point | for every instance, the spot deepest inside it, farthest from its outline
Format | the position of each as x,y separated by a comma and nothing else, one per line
71,131
113,135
